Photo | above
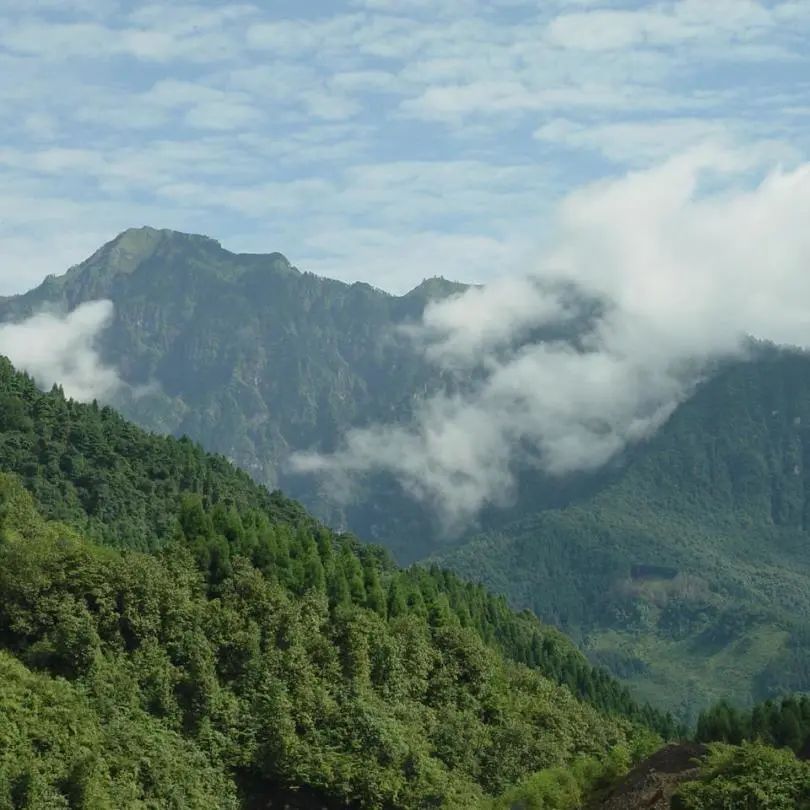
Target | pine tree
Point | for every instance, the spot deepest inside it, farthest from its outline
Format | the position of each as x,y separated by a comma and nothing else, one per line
375,597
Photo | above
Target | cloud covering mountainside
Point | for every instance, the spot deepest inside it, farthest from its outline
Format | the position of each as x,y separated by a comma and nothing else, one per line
60,349
689,258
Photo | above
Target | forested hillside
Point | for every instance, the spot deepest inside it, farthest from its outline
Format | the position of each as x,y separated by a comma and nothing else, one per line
689,575
742,758
183,634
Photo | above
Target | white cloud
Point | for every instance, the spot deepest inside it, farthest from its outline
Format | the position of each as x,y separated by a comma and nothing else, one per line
455,102
455,7
61,349
152,33
463,330
664,24
221,115
684,274
697,270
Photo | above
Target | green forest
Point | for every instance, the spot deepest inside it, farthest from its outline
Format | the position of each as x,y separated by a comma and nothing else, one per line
171,631
174,635
687,575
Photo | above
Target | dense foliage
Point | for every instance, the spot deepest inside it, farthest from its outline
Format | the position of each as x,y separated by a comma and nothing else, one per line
237,675
121,485
750,777
565,788
234,647
781,723
688,574
63,748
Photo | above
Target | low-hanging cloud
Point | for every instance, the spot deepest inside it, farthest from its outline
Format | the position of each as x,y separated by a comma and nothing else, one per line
61,349
688,259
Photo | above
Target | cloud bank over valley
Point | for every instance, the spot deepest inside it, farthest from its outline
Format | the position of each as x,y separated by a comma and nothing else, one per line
689,258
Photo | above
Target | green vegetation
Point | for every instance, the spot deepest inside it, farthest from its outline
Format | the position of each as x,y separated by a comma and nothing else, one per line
687,576
87,466
61,748
784,723
565,788
750,777
173,635
751,761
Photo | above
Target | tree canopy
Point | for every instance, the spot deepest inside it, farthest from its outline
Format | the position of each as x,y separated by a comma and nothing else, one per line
242,649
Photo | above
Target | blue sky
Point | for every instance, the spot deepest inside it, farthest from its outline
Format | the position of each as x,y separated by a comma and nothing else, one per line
375,140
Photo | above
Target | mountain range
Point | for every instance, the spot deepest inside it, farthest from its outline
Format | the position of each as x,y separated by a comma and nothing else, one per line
254,358
682,566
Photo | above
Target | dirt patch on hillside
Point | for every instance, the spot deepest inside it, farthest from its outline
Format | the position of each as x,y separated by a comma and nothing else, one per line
652,783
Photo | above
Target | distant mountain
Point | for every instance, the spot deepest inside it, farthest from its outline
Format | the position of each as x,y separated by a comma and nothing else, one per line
254,359
689,576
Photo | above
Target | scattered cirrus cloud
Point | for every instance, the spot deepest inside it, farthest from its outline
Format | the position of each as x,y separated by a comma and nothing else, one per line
220,118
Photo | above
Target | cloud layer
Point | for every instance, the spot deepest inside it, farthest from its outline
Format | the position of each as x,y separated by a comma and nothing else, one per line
366,139
60,349
688,259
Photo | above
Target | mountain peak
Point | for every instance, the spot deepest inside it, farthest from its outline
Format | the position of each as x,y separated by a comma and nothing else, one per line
129,250
436,287
146,234
134,245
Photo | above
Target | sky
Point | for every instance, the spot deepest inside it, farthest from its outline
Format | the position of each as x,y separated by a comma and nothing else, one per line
375,140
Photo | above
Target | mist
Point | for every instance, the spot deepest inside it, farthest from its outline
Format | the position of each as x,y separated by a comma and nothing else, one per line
689,258
61,349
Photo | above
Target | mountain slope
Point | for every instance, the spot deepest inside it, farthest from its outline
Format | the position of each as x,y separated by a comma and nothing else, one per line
253,643
689,575
254,358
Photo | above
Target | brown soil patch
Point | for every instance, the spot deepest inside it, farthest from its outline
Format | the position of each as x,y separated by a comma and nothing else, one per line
652,783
